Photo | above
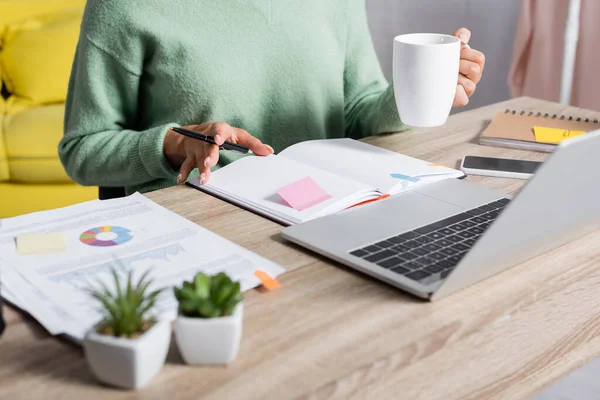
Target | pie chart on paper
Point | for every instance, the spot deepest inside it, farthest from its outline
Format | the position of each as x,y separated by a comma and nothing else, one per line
104,236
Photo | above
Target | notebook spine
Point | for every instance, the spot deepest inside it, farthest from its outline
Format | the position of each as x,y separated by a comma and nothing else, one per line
552,116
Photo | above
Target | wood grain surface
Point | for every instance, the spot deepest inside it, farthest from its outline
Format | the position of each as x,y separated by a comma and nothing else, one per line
332,333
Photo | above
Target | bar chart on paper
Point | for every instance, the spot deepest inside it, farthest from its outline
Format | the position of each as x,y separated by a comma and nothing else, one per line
154,258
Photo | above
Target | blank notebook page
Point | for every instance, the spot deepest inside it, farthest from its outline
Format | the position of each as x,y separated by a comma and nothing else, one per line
254,181
363,162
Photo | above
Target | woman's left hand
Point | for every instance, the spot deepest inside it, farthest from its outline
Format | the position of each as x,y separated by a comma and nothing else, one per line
470,70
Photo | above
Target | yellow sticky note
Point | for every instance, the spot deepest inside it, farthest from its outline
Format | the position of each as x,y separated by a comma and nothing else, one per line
41,243
553,135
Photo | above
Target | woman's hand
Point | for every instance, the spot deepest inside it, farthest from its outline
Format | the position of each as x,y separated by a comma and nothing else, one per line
470,71
187,153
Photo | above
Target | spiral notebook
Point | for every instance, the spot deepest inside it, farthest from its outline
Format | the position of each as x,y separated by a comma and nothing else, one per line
319,177
515,129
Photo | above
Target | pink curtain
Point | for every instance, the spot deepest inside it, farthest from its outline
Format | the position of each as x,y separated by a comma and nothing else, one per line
538,51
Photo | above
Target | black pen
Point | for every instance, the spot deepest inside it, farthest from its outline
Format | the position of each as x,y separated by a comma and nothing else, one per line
211,140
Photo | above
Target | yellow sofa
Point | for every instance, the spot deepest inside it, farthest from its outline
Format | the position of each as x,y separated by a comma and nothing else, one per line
37,45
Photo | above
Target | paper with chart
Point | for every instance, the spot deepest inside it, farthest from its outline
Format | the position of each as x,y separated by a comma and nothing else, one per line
131,233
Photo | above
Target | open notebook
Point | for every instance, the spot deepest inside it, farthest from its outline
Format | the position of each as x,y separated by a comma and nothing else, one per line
349,171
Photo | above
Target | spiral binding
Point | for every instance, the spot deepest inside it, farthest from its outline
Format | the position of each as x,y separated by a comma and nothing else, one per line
553,116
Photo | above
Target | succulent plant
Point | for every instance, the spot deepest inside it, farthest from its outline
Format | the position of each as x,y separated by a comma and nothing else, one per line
208,296
126,310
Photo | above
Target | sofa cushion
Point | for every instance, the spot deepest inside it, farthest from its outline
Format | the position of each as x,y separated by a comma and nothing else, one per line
32,138
38,54
4,170
2,99
12,11
18,198
15,104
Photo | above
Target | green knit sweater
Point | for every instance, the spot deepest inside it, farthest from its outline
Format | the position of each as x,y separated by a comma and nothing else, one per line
286,71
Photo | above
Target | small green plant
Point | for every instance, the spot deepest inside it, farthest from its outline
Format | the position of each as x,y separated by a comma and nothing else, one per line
126,310
208,296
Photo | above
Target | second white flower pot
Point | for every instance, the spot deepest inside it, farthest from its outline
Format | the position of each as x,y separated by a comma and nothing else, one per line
209,340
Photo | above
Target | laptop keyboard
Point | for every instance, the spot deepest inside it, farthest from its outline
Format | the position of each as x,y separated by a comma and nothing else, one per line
429,253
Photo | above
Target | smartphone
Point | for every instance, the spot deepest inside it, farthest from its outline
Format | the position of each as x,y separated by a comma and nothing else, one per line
499,167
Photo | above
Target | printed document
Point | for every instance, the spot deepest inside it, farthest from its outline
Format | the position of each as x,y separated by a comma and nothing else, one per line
122,235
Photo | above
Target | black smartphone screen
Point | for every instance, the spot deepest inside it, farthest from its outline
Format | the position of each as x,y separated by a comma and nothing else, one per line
501,164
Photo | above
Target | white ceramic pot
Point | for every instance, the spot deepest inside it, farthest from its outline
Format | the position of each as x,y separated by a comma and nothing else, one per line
128,363
209,340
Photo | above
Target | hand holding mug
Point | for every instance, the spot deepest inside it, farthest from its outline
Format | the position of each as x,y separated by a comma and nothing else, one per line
470,69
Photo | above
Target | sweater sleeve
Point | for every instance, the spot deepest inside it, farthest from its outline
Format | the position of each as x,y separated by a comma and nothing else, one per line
370,106
100,146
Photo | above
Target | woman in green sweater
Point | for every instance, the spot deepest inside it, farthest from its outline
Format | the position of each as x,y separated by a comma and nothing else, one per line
262,73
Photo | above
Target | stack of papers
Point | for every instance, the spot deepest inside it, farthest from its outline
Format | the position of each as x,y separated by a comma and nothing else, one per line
49,260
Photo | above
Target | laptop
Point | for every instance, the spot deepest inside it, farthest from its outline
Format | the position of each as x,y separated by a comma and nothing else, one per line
435,240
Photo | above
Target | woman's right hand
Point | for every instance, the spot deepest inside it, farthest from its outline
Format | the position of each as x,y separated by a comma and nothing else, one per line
186,153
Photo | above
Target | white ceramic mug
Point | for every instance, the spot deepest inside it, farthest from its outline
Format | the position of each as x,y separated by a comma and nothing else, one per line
425,77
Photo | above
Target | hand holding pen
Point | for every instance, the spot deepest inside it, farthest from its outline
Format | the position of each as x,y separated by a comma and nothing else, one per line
197,146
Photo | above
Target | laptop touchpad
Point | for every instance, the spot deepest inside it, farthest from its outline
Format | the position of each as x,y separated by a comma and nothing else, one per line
383,219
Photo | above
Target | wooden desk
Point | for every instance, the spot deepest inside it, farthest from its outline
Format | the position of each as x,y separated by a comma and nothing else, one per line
332,333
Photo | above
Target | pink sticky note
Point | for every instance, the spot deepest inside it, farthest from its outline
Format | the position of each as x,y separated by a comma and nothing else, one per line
303,194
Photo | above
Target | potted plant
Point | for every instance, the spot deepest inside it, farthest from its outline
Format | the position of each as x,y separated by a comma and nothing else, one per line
129,346
208,328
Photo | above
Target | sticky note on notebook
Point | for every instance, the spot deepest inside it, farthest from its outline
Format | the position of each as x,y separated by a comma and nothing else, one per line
303,194
41,243
553,135
405,177
438,165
